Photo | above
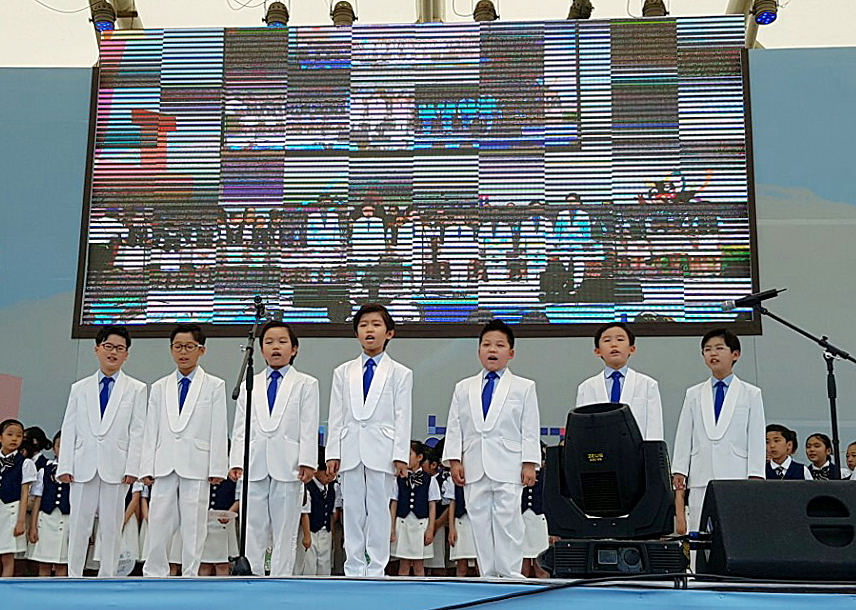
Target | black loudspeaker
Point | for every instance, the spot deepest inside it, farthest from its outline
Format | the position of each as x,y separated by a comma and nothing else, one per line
779,530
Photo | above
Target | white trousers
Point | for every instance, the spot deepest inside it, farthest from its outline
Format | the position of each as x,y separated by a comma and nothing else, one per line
88,499
318,557
366,495
177,504
273,512
494,510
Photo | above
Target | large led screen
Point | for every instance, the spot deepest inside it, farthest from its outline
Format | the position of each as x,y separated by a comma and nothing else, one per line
555,174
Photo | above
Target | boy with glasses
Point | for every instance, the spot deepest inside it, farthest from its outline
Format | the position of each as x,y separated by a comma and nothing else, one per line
102,433
184,449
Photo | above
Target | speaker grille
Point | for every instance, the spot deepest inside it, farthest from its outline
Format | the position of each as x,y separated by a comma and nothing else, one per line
600,493
666,559
571,558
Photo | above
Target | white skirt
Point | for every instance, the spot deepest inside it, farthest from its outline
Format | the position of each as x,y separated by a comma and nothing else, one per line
131,538
438,559
465,547
52,545
9,543
535,537
410,539
221,542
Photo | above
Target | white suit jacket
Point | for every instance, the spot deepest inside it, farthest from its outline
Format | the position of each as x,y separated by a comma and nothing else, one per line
498,446
374,432
285,439
638,391
192,444
732,448
109,446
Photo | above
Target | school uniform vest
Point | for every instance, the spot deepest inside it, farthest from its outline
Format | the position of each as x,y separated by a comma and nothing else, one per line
10,480
441,480
41,461
413,498
460,504
533,497
321,507
222,495
54,493
794,472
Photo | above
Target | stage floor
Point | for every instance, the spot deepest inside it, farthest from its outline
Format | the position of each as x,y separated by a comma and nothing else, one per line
407,594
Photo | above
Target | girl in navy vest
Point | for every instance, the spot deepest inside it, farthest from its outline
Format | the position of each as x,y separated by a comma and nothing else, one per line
317,520
16,475
221,541
535,537
436,565
781,444
34,445
818,449
49,522
462,544
413,510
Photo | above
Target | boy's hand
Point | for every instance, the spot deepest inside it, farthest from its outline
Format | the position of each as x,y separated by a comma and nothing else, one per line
305,475
681,524
66,478
307,542
19,528
679,482
236,473
129,480
215,480
148,480
429,537
333,467
458,472
527,475
400,468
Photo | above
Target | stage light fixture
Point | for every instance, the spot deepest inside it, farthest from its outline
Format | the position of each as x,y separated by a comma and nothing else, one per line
103,16
580,9
654,8
343,14
277,15
765,11
485,11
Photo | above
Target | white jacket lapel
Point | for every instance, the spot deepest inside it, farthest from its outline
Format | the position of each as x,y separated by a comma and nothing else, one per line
628,387
260,402
286,385
355,387
93,404
727,412
119,386
476,411
171,396
192,397
707,414
500,393
381,373
600,393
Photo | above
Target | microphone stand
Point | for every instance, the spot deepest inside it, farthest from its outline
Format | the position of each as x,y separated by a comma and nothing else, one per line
830,355
242,564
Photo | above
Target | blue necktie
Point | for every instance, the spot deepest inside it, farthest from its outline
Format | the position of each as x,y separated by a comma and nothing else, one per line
615,395
182,394
272,388
718,399
487,392
105,393
368,376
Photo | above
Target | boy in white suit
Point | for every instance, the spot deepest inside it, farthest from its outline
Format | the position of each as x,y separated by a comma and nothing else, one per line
283,450
614,343
369,439
721,430
102,434
493,448
184,449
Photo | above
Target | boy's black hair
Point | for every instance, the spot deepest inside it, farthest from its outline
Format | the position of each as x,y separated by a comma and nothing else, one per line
500,326
823,439
605,327
113,329
193,329
418,447
6,423
374,308
37,438
789,435
279,324
729,337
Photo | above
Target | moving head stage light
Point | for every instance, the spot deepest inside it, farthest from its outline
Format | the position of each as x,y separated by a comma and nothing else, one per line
605,489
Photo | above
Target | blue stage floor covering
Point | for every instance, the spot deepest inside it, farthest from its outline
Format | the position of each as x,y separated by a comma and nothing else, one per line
395,594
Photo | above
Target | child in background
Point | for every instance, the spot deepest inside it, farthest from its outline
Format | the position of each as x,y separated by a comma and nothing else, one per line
49,522
131,521
818,450
318,520
851,459
462,545
436,564
536,538
16,475
221,542
413,511
781,444
34,445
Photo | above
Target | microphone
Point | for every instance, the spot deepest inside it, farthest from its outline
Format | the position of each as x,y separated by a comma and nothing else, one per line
752,300
260,307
